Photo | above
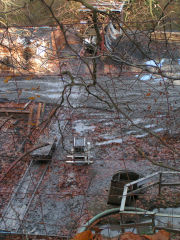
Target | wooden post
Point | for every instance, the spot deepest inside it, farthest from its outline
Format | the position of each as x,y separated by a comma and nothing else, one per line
38,114
121,222
43,111
160,180
153,224
43,108
30,119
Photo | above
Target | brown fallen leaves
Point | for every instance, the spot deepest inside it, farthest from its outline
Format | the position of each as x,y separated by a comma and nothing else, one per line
161,235
88,235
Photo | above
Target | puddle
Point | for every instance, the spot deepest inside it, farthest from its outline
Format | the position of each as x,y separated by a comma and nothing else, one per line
53,96
150,125
176,82
47,90
147,77
108,123
80,127
33,83
168,221
141,135
53,84
166,64
116,140
107,136
131,132
114,230
138,120
152,63
158,130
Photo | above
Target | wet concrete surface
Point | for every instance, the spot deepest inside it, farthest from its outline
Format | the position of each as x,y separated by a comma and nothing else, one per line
70,195
145,98
15,211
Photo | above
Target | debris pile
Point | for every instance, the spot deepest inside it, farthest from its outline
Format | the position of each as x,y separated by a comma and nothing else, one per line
27,51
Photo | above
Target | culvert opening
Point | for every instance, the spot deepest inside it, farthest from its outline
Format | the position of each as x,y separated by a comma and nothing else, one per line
119,180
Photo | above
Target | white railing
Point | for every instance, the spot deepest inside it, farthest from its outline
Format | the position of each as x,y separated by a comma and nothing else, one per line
144,183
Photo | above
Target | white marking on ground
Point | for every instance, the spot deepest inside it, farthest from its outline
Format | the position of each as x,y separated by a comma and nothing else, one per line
80,127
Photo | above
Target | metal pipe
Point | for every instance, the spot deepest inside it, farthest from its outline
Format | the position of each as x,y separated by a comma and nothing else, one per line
104,214
128,210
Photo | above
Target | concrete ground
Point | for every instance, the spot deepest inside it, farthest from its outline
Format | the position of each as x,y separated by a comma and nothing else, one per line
71,194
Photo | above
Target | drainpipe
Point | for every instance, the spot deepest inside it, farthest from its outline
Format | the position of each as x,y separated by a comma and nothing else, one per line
104,214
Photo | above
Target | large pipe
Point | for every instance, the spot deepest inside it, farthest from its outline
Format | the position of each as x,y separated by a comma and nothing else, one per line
130,210
104,214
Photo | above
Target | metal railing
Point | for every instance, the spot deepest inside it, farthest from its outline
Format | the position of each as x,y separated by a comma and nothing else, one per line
144,183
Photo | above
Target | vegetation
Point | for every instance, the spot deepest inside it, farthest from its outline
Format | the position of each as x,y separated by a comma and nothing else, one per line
34,12
152,14
142,14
